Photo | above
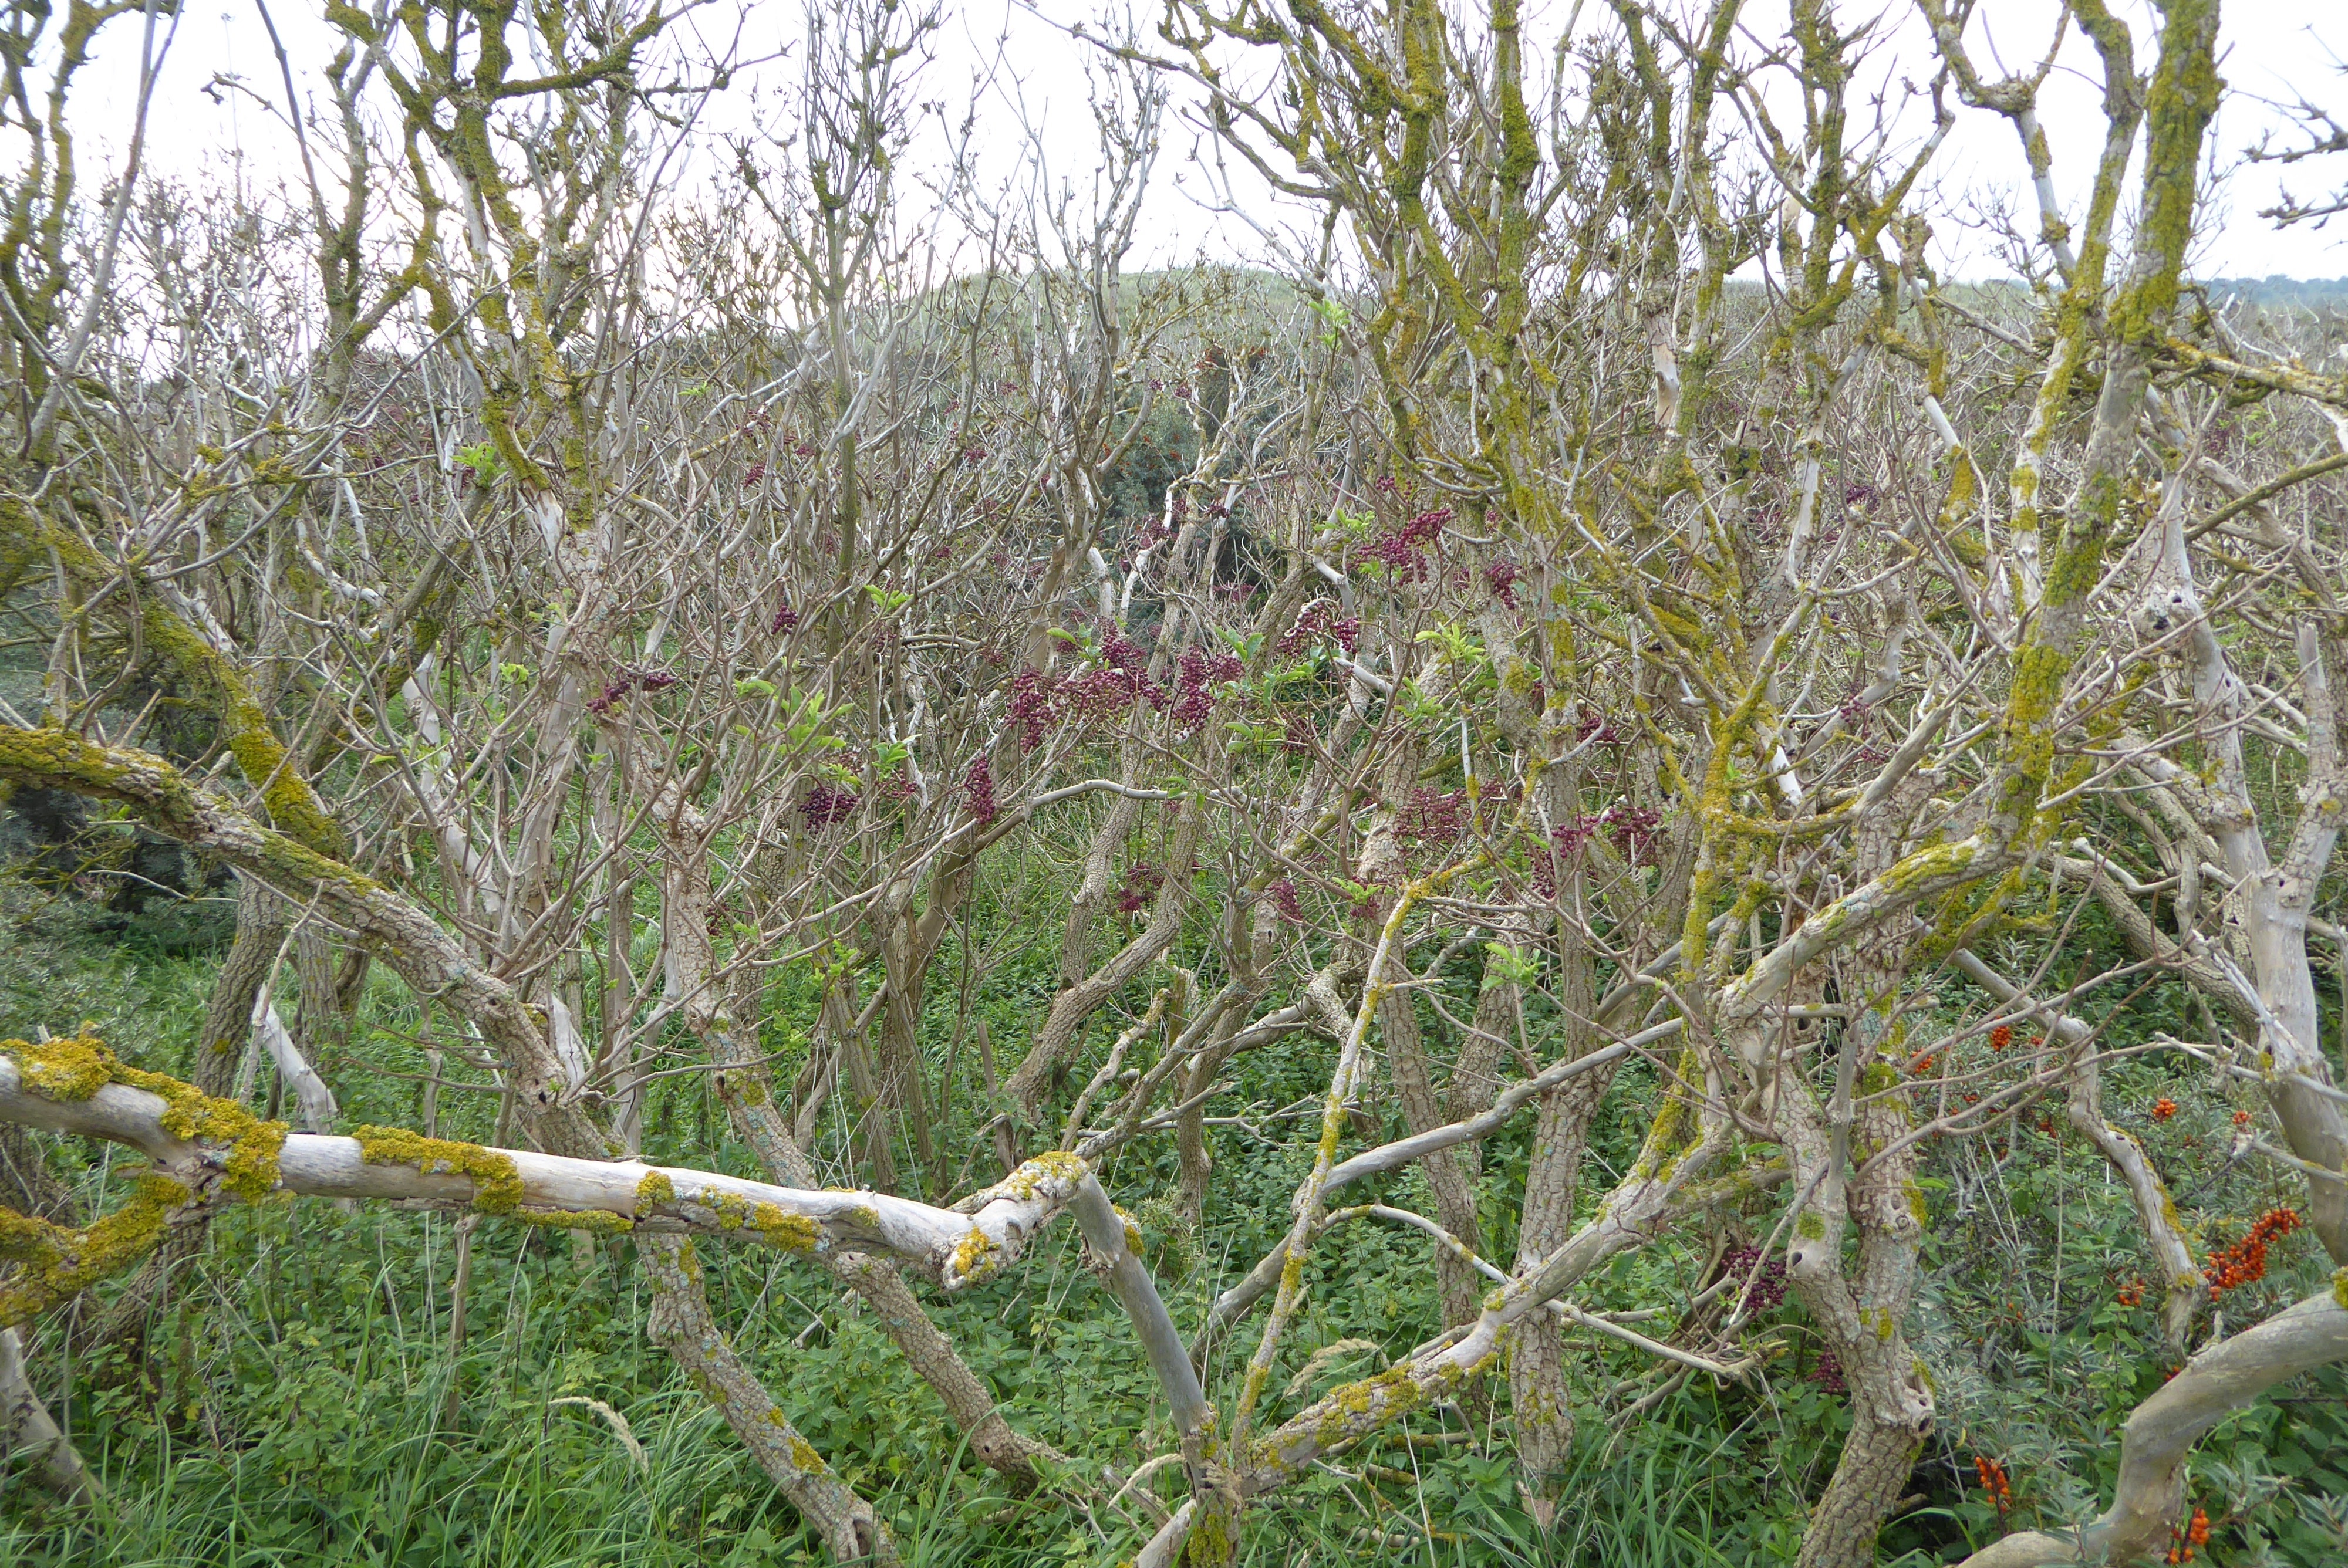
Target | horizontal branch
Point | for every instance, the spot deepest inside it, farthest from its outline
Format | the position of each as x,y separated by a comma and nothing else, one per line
1407,1151
954,1249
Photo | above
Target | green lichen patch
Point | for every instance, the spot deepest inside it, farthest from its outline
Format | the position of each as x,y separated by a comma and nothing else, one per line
497,1185
655,1190
1372,1401
1211,1544
55,759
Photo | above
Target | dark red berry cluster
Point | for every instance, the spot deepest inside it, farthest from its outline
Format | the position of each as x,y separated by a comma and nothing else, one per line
978,792
1405,548
1141,883
626,681
1767,1287
827,804
1431,815
1319,620
1199,673
1500,576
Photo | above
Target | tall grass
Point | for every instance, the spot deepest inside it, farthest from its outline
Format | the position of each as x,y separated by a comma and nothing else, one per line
296,1400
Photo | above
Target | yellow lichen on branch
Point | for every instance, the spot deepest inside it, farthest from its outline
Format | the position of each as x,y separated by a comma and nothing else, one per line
75,1069
496,1185
57,1263
205,672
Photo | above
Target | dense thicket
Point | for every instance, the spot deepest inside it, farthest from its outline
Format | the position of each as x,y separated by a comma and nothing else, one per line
1652,885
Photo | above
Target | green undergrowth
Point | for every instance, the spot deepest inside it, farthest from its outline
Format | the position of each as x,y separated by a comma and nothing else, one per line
296,1400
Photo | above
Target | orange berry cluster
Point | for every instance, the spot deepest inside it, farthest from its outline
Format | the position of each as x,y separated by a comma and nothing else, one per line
1994,1482
2131,1294
1923,1065
2001,1037
2246,1260
2183,1541
2163,1109
2242,1118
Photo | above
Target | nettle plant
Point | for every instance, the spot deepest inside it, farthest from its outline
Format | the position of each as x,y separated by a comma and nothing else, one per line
1797,745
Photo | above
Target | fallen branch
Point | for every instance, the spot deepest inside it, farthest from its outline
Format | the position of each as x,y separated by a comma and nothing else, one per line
78,1086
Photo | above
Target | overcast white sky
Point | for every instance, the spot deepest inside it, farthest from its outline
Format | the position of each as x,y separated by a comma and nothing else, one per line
2280,50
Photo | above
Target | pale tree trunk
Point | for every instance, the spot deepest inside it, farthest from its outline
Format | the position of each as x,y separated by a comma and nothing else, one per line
2273,899
903,1087
1860,1314
32,1434
747,1089
748,1095
1455,1199
1099,878
1891,1400
1195,1166
909,944
1211,1038
319,1023
1077,1002
1381,865
1475,1073
868,1119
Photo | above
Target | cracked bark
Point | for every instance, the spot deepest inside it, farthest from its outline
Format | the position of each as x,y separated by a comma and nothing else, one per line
681,1324
1537,1387
32,1434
